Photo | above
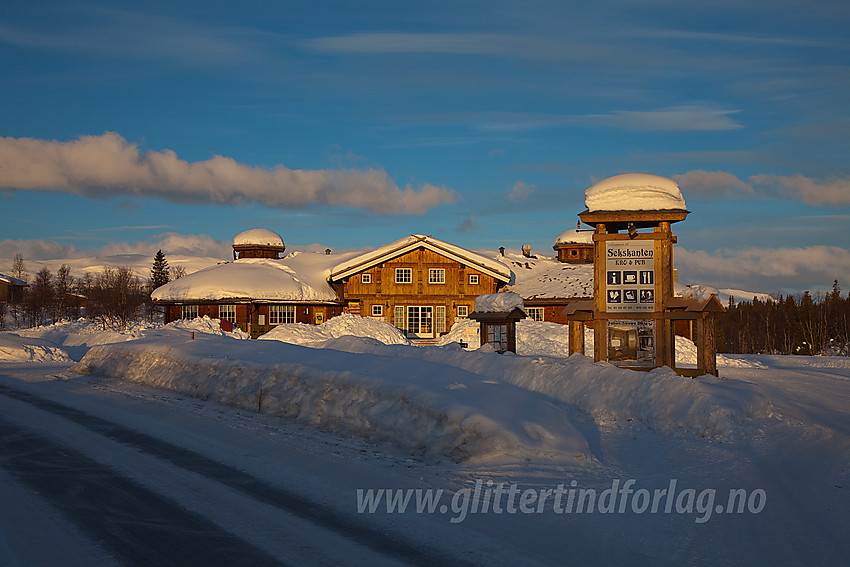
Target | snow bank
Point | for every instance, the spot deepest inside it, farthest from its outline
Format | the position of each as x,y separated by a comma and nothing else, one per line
534,338
425,407
207,326
85,332
634,192
339,326
704,406
498,303
14,348
686,357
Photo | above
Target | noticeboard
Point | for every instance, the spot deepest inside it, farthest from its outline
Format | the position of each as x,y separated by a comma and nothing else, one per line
630,275
631,342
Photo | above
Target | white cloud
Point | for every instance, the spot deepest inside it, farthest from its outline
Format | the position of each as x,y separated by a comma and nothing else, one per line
118,33
171,243
712,183
833,191
677,118
766,269
520,192
468,224
375,43
684,118
107,165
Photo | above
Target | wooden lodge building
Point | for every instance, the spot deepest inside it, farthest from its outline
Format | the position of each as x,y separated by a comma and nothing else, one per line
419,284
11,289
257,290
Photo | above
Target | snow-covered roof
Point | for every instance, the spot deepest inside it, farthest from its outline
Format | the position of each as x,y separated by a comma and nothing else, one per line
498,303
575,236
547,278
258,237
634,192
13,281
365,261
300,277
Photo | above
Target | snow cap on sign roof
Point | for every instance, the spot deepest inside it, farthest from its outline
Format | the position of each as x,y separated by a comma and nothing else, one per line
258,237
634,192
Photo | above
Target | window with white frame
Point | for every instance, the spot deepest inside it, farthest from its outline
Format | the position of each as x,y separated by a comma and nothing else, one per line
436,275
377,311
190,311
366,278
473,279
404,275
281,314
463,311
227,313
534,313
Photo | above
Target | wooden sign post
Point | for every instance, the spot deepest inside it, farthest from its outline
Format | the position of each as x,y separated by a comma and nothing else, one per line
632,281
634,304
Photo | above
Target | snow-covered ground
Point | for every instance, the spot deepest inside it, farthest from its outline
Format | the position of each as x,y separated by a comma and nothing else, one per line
324,412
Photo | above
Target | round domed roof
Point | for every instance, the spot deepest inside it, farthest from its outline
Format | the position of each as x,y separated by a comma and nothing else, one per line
575,236
258,237
634,192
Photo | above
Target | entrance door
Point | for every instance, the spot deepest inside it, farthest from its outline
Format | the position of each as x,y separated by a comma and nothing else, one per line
420,321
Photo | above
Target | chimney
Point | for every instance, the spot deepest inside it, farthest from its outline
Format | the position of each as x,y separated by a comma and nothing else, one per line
526,250
502,250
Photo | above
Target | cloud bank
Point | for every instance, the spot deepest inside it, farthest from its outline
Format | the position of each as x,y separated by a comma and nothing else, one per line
767,270
172,243
107,165
834,191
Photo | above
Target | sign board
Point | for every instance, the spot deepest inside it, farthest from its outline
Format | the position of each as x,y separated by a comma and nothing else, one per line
631,342
630,275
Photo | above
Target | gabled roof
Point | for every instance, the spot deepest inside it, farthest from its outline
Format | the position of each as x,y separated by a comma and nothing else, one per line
13,281
412,242
710,304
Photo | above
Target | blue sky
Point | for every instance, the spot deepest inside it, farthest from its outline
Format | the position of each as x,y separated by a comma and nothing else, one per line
354,124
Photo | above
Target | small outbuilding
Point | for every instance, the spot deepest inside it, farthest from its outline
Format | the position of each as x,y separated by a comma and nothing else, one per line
575,246
498,313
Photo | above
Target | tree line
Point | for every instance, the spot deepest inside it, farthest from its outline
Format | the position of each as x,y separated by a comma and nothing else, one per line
113,297
807,324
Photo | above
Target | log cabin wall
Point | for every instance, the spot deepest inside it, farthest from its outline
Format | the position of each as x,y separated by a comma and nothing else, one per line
254,318
451,288
575,254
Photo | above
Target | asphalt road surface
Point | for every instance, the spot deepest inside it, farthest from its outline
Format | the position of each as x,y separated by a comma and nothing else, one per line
97,490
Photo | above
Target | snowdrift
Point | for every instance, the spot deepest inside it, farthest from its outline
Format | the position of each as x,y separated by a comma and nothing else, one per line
14,348
425,407
661,399
339,326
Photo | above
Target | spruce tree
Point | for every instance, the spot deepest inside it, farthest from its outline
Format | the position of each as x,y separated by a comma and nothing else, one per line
159,271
